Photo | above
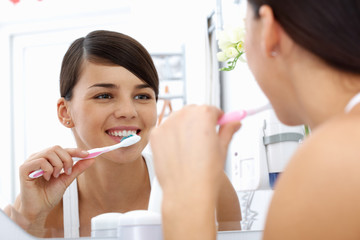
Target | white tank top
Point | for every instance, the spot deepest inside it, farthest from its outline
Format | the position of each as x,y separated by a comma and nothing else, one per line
71,203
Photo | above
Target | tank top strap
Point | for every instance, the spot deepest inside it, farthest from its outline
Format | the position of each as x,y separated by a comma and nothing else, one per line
71,211
352,103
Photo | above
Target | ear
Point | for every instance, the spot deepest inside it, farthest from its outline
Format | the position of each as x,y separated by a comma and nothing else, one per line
270,34
64,113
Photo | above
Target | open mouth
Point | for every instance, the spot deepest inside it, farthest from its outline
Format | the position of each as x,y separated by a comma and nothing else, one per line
123,133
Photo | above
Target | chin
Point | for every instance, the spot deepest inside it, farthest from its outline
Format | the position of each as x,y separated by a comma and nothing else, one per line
289,120
288,117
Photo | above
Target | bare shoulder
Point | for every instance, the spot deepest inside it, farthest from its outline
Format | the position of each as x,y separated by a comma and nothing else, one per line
317,197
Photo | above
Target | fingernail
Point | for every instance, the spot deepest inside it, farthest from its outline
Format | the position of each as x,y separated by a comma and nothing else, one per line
84,152
56,175
69,171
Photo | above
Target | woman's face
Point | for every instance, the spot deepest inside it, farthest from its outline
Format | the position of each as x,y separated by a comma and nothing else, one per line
108,103
254,55
270,71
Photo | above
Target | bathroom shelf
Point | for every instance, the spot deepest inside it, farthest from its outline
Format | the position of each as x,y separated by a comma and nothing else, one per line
171,70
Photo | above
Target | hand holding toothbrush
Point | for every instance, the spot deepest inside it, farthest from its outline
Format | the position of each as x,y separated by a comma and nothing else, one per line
93,153
189,156
241,114
39,196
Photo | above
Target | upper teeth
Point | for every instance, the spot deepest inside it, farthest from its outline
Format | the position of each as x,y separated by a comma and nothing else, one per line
122,133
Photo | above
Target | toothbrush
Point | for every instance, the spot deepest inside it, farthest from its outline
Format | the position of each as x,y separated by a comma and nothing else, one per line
125,142
240,115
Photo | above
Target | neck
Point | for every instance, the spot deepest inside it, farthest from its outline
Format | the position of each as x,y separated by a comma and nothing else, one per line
112,186
321,91
324,105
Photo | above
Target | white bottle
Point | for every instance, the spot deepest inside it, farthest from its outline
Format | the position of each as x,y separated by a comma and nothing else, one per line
140,225
105,225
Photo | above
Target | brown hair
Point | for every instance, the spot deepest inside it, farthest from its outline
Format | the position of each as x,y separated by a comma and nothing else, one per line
327,28
107,47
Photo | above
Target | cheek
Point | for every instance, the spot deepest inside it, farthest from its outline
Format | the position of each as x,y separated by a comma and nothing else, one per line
149,115
88,120
250,48
86,114
251,56
153,116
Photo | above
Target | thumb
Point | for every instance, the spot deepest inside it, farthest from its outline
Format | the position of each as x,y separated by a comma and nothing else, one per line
74,152
226,133
77,169
77,152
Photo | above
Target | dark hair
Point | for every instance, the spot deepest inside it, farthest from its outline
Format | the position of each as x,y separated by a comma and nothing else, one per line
106,47
327,28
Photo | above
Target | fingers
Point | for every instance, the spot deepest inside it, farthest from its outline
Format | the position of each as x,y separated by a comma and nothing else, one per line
39,163
226,133
57,157
73,152
77,169
51,161
188,137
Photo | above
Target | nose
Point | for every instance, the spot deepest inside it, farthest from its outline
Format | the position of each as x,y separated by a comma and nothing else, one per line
125,109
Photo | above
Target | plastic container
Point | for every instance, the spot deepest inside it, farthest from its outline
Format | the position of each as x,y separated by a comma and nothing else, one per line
105,225
140,225
281,142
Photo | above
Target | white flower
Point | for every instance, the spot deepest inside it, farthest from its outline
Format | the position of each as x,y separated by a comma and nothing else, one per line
221,56
231,43
231,52
240,46
236,34
224,44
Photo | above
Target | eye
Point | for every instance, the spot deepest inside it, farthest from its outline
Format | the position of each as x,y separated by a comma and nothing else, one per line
142,97
104,96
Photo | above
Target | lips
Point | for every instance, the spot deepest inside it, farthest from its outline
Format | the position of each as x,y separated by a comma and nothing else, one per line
123,131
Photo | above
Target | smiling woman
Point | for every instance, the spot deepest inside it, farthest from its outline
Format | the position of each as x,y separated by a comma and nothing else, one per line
109,90
105,94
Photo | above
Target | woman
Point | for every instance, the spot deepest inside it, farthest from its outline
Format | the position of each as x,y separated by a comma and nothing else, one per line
109,90
305,57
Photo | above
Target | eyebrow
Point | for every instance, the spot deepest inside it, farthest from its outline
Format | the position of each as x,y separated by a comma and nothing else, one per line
142,86
110,85
103,85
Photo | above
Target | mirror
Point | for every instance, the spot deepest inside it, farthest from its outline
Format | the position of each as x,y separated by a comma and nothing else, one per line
34,35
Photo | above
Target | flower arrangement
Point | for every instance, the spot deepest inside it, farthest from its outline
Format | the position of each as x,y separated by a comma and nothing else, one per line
231,44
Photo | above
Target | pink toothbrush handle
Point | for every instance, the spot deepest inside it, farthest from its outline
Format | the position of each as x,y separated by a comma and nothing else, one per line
36,174
232,117
40,172
91,155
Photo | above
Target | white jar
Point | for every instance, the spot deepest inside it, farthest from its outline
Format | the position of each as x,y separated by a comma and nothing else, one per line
140,225
105,225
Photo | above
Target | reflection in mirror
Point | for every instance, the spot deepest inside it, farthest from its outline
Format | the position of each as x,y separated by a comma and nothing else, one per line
109,102
106,103
250,161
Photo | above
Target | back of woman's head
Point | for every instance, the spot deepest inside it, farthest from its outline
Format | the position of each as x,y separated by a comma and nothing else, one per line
106,47
329,29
